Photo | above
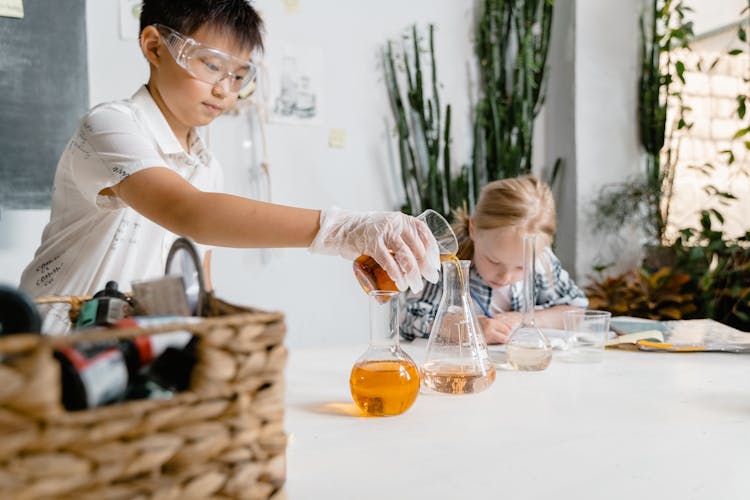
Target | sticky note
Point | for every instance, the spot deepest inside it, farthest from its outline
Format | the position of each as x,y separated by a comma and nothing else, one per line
291,6
11,8
130,16
336,138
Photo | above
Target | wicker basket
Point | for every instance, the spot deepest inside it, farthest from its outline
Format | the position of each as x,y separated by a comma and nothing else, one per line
223,438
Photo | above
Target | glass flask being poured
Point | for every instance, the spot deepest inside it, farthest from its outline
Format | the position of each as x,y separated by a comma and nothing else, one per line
527,348
373,277
384,380
456,361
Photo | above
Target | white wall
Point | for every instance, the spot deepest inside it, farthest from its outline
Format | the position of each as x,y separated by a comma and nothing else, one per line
20,234
560,127
592,123
710,14
606,140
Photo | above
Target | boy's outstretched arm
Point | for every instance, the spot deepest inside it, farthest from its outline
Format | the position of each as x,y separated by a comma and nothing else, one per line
402,245
218,219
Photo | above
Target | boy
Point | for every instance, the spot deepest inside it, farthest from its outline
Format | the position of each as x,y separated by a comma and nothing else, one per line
136,174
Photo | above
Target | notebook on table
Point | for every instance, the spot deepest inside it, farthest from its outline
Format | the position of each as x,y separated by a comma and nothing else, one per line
692,335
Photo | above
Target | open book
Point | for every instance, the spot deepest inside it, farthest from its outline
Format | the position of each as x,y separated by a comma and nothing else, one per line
678,336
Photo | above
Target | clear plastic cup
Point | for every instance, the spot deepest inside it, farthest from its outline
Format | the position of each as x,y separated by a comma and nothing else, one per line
587,333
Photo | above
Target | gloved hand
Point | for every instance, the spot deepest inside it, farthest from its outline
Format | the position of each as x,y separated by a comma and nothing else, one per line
402,245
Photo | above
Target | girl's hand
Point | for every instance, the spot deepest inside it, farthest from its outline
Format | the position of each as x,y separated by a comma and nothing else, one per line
512,318
495,330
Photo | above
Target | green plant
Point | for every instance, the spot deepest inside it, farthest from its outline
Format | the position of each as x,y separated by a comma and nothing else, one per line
719,265
709,278
661,295
512,43
720,270
423,130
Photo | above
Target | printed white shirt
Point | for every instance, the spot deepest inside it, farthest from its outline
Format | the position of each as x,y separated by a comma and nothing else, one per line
90,238
501,300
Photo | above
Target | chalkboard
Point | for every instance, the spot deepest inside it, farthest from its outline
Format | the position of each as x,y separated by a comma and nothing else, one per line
44,92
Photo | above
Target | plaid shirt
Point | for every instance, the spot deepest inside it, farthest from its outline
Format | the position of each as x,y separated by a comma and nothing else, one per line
554,287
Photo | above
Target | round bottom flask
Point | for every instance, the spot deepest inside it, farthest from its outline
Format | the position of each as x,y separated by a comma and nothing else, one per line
384,381
528,348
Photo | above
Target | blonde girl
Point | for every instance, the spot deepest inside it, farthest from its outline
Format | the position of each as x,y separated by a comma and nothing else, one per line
492,238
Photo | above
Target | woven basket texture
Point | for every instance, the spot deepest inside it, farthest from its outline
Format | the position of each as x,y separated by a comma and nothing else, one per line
223,438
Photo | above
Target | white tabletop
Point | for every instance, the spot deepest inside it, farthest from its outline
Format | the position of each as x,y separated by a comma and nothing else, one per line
638,425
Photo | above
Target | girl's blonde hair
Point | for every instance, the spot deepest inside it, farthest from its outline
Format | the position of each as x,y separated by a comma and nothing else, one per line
521,202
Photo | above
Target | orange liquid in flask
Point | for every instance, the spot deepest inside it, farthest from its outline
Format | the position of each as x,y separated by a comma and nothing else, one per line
455,379
373,277
382,388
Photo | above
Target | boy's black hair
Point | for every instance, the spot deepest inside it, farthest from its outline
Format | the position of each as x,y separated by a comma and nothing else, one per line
235,17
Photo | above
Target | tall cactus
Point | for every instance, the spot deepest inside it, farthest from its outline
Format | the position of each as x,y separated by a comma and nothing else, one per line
652,112
423,137
512,43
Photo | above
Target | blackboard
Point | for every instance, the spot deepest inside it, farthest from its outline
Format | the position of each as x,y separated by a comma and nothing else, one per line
44,92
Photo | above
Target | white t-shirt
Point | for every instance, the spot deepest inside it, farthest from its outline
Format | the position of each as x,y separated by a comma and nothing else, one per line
91,239
501,300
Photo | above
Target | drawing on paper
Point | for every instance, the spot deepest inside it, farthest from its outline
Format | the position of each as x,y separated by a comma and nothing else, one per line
296,82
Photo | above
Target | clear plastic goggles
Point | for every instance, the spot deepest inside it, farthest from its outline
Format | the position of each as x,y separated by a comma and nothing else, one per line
209,65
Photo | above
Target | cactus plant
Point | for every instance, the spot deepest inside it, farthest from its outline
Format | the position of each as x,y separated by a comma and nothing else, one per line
512,43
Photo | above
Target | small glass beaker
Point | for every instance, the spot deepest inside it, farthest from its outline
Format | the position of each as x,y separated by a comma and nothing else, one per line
587,334
456,359
385,380
373,277
527,347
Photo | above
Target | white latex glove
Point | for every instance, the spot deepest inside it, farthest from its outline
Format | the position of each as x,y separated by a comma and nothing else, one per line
402,245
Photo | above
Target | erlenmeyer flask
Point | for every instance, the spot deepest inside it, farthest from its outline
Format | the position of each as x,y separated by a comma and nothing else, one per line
528,348
456,361
384,380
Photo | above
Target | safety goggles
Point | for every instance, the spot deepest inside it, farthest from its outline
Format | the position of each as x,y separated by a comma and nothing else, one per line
207,64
